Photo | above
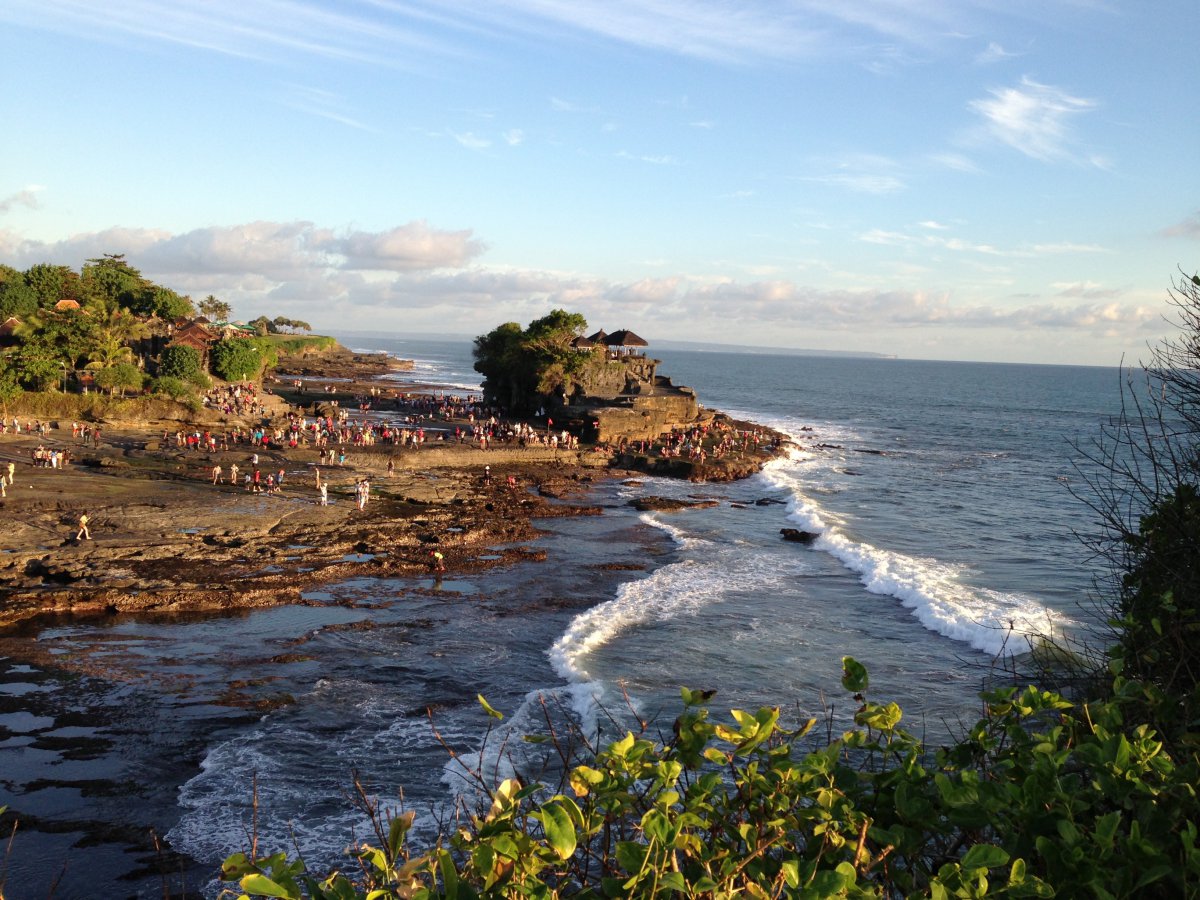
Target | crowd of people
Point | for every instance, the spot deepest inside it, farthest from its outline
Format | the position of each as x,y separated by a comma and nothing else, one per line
234,400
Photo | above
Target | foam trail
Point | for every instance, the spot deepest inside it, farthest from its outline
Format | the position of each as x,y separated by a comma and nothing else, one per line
990,621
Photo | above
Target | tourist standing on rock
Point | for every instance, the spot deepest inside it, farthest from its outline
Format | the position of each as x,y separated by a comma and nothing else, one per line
83,529
324,489
12,474
439,561
216,474
233,474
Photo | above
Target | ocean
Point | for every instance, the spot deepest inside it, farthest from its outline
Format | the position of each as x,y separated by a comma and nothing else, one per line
949,539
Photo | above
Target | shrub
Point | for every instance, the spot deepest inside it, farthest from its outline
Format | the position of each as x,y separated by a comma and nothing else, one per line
1040,798
175,388
178,361
238,359
121,377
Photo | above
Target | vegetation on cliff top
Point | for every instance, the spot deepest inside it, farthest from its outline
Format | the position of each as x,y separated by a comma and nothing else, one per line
109,327
524,368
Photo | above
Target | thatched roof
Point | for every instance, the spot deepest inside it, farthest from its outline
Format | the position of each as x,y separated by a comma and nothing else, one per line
599,337
625,338
11,324
582,343
66,303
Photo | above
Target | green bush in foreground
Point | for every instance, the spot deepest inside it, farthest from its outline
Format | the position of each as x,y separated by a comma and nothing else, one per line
1041,798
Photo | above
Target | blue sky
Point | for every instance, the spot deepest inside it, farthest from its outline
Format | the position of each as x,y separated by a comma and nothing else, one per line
1010,180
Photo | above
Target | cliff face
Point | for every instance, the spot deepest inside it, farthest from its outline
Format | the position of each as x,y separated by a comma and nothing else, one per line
644,417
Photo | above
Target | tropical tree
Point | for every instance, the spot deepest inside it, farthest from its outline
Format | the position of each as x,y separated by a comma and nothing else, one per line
216,310
120,377
154,300
281,322
184,363
10,384
522,367
239,359
499,360
17,299
49,282
62,337
107,351
111,282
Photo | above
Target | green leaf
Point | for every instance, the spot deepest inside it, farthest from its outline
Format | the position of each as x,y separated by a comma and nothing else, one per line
985,856
673,881
262,886
620,749
487,707
790,869
560,832
854,675
483,858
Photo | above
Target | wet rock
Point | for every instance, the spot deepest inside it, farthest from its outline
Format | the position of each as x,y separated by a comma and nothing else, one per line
796,536
668,504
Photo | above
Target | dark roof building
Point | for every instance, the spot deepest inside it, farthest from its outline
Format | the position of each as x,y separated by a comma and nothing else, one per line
625,338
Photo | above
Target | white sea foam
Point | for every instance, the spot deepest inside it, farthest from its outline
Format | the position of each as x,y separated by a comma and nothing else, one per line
702,577
988,620
293,773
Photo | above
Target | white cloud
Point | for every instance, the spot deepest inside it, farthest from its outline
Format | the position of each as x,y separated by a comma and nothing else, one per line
514,137
397,34
26,197
924,239
862,173
994,54
1188,227
665,160
472,141
416,275
1032,118
323,104
955,162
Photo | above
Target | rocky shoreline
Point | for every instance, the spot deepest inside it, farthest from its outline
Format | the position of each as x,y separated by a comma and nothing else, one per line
164,538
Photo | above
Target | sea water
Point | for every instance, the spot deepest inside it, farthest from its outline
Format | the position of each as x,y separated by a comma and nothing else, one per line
943,497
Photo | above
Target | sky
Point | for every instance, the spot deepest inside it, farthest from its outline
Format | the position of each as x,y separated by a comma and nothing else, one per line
998,180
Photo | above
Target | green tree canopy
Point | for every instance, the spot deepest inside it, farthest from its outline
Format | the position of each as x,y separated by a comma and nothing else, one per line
178,361
523,366
51,283
121,377
281,322
17,299
154,300
240,359
64,337
109,280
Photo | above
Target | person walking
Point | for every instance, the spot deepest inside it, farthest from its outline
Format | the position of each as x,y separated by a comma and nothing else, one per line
83,529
